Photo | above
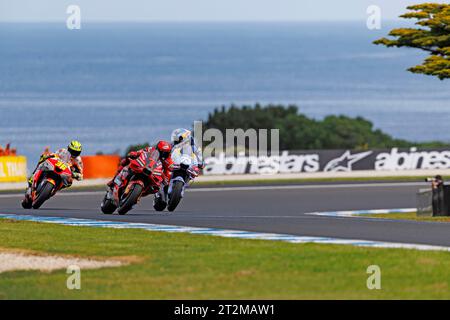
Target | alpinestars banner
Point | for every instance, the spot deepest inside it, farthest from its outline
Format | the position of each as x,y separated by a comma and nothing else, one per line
331,161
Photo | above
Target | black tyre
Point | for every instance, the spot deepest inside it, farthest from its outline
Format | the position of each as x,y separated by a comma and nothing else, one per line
44,193
108,206
26,203
159,204
130,200
175,196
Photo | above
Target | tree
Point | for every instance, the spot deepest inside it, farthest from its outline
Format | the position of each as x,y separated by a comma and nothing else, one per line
299,132
136,147
433,36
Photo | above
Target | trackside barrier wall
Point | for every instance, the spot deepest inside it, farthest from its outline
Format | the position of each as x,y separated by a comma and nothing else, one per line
309,161
13,169
424,202
434,202
103,166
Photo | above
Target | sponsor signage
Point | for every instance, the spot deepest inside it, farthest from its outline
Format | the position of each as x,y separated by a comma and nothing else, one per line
394,159
13,169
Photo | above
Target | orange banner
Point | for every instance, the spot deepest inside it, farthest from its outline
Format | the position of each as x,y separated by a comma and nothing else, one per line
103,166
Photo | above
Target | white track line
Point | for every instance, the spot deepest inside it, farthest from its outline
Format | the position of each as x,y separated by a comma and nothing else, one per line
241,234
303,187
258,188
360,213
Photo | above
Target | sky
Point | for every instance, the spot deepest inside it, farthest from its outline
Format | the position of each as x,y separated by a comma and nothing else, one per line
200,10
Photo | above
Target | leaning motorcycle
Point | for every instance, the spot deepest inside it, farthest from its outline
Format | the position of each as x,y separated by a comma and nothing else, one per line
143,176
185,170
51,176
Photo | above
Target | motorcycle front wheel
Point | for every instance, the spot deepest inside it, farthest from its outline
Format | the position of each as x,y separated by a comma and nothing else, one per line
26,203
175,195
44,193
130,199
108,206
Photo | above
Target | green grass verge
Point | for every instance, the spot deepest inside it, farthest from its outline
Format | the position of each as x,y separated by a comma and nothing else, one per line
409,216
185,266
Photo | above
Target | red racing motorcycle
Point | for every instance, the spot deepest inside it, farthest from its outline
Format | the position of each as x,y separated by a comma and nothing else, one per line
143,176
51,176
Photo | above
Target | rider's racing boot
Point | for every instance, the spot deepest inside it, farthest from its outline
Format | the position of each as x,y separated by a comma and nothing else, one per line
110,184
160,200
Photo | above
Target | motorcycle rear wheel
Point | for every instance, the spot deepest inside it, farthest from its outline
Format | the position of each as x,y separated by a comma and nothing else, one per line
44,194
175,195
130,200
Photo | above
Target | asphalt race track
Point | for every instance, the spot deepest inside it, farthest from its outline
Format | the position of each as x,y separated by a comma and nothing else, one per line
273,209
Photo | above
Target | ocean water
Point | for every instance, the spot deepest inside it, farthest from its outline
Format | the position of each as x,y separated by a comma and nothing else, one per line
111,85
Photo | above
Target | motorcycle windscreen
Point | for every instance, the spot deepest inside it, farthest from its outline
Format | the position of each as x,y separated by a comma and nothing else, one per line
152,159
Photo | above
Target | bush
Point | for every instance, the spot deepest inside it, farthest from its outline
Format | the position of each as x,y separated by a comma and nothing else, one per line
136,147
298,132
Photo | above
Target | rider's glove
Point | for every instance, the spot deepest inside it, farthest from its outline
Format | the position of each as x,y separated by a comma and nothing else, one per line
194,171
78,176
201,165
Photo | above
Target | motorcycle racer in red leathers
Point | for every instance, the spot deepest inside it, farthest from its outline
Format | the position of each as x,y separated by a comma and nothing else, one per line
160,151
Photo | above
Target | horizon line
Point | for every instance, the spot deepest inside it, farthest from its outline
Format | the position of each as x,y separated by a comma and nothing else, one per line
143,21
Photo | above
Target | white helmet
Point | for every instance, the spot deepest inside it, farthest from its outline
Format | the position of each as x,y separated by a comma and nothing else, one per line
180,135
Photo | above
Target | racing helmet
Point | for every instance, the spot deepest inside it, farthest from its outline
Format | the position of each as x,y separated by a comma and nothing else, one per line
179,135
74,148
164,149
